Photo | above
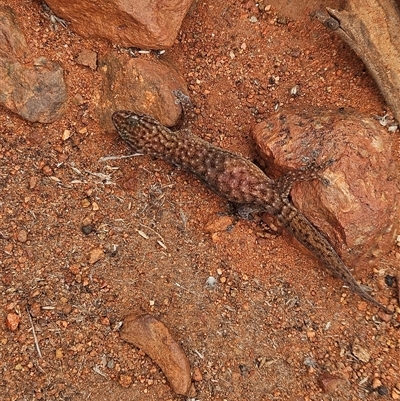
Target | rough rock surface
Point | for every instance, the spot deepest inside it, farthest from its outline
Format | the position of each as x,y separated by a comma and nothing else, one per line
36,90
143,24
154,338
358,208
12,41
143,86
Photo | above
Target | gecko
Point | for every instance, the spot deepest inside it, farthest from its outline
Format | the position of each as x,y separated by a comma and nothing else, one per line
235,179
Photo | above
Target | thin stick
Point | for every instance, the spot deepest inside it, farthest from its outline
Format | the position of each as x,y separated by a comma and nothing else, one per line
107,158
154,231
34,334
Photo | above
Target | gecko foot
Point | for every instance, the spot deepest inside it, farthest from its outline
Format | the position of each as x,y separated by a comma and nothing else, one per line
310,171
187,109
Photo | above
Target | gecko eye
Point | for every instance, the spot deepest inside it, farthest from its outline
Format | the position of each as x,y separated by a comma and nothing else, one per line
133,119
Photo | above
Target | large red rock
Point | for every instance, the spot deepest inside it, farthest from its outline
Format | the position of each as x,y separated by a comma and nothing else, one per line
12,42
358,208
35,90
139,85
141,23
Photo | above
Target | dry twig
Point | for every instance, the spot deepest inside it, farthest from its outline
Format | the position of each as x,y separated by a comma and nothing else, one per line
34,334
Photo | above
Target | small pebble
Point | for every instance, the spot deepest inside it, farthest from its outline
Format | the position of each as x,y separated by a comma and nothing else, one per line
330,383
376,383
66,134
67,309
35,309
33,182
12,321
211,282
197,376
87,58
390,280
221,223
22,236
125,380
87,229
47,170
78,99
75,268
85,203
310,334
383,390
96,255
59,353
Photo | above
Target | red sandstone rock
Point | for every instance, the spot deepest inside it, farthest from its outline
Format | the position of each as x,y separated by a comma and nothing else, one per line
34,90
140,23
359,209
332,383
154,338
140,85
12,41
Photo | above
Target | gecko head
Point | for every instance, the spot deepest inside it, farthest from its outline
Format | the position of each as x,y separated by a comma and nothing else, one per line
125,121
135,128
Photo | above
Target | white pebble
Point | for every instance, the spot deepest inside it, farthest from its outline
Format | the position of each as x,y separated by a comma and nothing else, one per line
211,282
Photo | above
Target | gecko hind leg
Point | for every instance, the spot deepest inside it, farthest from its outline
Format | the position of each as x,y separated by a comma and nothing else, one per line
269,224
245,211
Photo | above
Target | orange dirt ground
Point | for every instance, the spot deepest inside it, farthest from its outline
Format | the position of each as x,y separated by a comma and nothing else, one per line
276,326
